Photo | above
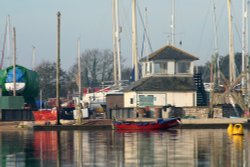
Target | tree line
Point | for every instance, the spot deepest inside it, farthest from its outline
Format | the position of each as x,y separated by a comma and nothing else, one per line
96,69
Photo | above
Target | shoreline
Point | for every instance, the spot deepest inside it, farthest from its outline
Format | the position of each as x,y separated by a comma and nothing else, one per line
106,124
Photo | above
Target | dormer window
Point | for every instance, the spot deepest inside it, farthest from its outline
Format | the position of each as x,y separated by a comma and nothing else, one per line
161,67
183,67
148,68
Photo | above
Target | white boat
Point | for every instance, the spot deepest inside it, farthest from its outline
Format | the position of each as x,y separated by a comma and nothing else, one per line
19,86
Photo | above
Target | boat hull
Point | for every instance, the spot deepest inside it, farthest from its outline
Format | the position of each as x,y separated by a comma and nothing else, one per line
160,124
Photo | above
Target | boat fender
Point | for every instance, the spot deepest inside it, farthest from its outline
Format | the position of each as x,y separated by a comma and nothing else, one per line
179,121
238,129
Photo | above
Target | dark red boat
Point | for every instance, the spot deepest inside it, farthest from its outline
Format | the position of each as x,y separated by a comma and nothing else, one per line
145,124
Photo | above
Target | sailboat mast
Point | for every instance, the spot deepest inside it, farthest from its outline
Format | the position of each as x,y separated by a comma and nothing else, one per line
247,59
173,24
33,57
114,40
14,61
58,60
10,46
231,48
134,41
216,49
118,40
145,31
4,42
214,66
79,69
243,44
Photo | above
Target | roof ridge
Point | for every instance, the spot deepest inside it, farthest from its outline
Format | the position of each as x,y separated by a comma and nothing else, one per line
183,51
155,53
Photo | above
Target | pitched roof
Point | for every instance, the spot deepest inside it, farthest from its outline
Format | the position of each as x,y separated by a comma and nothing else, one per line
171,53
163,83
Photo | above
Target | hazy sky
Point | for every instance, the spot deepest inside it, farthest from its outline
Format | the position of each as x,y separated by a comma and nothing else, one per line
91,21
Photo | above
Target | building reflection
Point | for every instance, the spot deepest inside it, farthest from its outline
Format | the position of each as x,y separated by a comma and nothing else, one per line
180,147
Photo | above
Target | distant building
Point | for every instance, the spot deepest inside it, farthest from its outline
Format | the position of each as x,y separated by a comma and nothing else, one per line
167,79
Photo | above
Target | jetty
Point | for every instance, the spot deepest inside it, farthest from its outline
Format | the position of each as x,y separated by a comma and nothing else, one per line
106,124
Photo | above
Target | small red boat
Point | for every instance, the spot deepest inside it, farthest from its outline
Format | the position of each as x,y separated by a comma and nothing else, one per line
147,124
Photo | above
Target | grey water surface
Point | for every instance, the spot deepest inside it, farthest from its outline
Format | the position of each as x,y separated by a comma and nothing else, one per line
109,148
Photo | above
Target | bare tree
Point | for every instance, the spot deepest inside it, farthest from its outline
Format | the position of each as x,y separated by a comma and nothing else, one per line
47,79
96,67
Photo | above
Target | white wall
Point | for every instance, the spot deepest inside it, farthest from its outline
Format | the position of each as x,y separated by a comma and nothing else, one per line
178,99
127,97
171,67
159,98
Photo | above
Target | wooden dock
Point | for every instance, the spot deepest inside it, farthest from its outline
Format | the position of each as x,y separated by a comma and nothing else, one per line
105,124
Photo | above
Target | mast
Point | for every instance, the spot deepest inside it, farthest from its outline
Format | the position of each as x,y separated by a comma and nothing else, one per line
9,46
118,40
58,68
33,57
14,61
247,58
173,24
216,49
145,31
114,40
79,69
134,41
243,44
4,42
231,48
214,66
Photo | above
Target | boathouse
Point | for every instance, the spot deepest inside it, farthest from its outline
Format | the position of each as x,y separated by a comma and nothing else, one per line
167,78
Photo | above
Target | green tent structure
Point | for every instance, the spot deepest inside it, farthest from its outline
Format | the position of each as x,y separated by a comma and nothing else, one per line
29,77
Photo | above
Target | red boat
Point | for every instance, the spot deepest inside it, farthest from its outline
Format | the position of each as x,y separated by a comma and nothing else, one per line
147,124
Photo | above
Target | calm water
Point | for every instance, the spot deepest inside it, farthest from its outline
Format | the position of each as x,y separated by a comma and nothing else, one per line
182,147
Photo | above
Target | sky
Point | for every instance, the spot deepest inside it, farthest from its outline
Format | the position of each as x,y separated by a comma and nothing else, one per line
91,21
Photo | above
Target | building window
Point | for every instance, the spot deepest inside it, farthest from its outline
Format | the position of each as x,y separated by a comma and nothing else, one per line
183,67
146,100
131,101
148,68
160,67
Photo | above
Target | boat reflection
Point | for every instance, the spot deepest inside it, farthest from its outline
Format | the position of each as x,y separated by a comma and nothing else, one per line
124,148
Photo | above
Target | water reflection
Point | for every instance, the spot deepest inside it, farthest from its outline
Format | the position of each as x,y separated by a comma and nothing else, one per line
124,148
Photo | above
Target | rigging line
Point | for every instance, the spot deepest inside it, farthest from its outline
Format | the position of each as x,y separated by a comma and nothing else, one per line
238,33
236,22
220,20
126,12
125,15
203,27
142,47
215,29
145,30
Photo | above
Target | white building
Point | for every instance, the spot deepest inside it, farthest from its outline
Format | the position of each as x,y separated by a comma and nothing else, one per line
167,79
